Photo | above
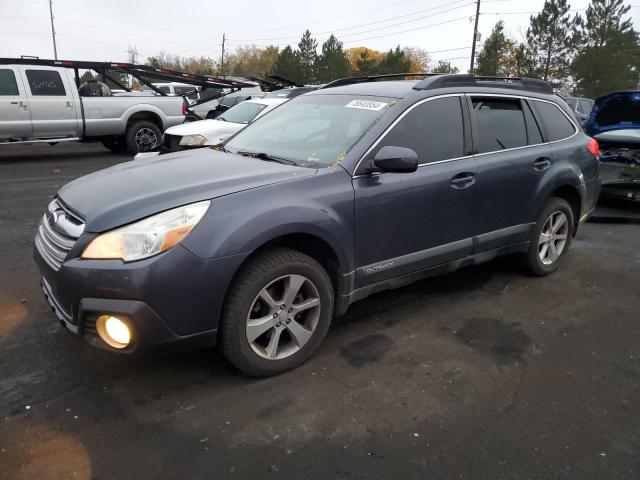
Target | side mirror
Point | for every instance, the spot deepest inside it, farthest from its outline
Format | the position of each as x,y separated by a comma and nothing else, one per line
396,159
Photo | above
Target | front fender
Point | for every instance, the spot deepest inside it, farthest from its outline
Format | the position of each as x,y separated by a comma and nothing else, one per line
320,205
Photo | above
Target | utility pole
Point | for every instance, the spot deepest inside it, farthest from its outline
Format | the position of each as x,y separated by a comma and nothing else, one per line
222,59
53,30
475,36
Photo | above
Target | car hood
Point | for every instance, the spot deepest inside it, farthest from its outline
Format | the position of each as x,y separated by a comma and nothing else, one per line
133,190
616,111
212,130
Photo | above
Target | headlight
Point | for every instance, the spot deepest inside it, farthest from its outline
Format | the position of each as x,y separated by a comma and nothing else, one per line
147,237
192,140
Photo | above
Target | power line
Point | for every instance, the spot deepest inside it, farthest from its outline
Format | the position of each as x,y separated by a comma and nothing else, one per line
374,23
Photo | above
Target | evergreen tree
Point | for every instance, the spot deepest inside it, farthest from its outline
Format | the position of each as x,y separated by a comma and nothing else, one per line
308,58
607,58
394,61
288,64
550,40
333,62
495,51
445,67
521,62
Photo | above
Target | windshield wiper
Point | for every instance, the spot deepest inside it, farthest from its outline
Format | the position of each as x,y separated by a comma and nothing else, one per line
267,157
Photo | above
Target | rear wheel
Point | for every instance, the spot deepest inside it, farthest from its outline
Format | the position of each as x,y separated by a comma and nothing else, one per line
277,312
143,136
551,237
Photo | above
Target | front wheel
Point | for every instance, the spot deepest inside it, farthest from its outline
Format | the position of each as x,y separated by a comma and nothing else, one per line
143,136
277,312
551,237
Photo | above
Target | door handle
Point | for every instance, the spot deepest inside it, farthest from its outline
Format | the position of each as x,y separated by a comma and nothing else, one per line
69,105
463,180
542,164
14,103
23,105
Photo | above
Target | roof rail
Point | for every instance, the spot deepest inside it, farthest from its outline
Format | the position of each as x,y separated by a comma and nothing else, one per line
372,78
465,80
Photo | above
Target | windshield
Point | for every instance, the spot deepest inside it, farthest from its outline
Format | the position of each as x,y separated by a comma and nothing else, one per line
243,112
314,130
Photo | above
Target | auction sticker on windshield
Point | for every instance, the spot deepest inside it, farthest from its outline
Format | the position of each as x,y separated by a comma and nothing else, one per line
366,105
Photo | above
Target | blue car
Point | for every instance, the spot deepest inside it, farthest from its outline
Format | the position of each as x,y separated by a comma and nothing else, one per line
615,123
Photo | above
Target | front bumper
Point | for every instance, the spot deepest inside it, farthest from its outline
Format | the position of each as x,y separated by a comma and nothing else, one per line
172,298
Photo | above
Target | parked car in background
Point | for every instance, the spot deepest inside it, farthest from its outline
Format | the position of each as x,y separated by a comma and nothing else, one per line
212,132
192,92
331,197
581,108
214,107
615,124
41,103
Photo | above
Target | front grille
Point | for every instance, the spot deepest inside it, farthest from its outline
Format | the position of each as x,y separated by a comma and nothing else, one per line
57,233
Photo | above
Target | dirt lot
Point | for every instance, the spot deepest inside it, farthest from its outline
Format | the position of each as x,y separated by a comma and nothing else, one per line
480,374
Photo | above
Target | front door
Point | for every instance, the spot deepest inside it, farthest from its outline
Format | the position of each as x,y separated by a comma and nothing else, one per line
54,109
406,222
15,118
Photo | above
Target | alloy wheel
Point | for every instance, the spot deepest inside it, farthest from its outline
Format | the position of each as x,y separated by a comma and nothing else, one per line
146,139
283,317
553,237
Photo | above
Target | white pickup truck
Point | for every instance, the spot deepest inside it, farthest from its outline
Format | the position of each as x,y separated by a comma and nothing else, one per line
42,103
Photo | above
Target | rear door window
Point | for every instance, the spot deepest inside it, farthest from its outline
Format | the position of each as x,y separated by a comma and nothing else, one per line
534,136
434,130
45,83
500,123
8,84
555,123
584,107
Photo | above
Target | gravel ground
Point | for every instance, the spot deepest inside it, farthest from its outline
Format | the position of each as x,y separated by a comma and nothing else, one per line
484,373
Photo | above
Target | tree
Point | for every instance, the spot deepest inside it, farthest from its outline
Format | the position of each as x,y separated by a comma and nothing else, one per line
394,61
308,57
607,58
419,59
363,60
252,61
288,64
550,41
492,58
520,62
445,67
333,62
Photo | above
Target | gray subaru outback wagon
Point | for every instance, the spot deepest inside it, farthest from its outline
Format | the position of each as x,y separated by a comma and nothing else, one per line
361,186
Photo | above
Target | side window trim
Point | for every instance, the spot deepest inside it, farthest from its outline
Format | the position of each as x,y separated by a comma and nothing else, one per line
537,124
357,174
545,137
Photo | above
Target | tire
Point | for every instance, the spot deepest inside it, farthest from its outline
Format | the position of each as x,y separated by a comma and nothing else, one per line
117,146
142,136
277,271
540,259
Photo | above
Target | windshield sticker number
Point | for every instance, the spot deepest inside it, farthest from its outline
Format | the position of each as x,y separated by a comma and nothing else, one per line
366,105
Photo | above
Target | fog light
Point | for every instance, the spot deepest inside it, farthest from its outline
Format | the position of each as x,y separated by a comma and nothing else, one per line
113,331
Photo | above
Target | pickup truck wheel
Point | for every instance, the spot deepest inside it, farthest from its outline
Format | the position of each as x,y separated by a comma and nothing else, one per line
115,145
276,313
551,237
143,136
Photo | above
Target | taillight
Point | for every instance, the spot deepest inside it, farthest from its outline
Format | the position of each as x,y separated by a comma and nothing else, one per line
184,109
593,147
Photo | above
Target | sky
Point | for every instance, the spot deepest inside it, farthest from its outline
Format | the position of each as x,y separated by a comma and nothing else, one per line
104,31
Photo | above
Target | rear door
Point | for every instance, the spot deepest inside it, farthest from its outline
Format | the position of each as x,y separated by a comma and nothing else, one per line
15,118
54,109
406,222
512,160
